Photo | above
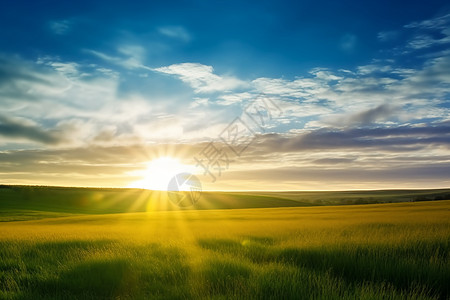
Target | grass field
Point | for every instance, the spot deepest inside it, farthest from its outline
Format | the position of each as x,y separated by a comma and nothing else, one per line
49,250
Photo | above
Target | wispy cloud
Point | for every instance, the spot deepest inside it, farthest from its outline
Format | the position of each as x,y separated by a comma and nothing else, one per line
199,102
55,96
386,36
426,32
373,68
341,97
129,57
175,32
422,41
435,23
201,77
233,98
60,27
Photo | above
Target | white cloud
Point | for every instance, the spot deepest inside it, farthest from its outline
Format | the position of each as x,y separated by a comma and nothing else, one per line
319,98
368,69
293,109
337,99
66,69
57,95
229,99
199,102
175,32
107,72
324,74
299,88
201,77
276,86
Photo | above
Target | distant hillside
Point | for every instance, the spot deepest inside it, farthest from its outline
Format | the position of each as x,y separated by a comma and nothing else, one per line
33,202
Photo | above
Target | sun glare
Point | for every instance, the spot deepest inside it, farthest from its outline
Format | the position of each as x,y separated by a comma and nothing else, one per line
159,172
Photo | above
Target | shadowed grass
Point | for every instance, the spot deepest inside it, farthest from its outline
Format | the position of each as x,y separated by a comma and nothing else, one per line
222,276
422,266
90,270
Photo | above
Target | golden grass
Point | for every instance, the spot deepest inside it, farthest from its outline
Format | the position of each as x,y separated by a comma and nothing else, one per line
237,253
302,224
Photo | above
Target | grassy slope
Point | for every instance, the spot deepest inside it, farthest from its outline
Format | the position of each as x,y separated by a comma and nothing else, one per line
21,202
383,251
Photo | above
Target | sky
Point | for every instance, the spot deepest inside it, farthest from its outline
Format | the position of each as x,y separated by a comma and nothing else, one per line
246,95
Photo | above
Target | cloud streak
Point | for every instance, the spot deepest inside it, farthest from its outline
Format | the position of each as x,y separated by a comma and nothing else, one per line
426,31
23,129
403,138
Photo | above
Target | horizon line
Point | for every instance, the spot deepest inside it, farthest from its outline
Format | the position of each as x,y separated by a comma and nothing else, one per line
226,191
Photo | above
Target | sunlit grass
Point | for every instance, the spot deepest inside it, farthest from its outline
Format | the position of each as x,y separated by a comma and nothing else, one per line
389,251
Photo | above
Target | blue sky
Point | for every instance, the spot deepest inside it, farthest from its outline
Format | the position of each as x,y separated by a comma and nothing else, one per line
92,91
270,38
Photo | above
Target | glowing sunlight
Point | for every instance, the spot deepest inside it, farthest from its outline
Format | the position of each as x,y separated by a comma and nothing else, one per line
159,172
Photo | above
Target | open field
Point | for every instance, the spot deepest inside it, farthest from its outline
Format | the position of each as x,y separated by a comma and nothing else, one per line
373,251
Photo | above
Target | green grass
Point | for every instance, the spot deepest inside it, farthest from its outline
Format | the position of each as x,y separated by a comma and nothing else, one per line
34,202
373,251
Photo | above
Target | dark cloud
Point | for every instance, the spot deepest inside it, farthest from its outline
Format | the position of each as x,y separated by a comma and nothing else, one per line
404,138
381,112
273,160
18,128
333,161
28,160
422,173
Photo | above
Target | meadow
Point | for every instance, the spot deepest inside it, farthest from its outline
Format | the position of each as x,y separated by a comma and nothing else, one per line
87,248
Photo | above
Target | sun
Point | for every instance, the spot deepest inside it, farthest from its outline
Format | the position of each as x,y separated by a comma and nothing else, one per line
159,172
